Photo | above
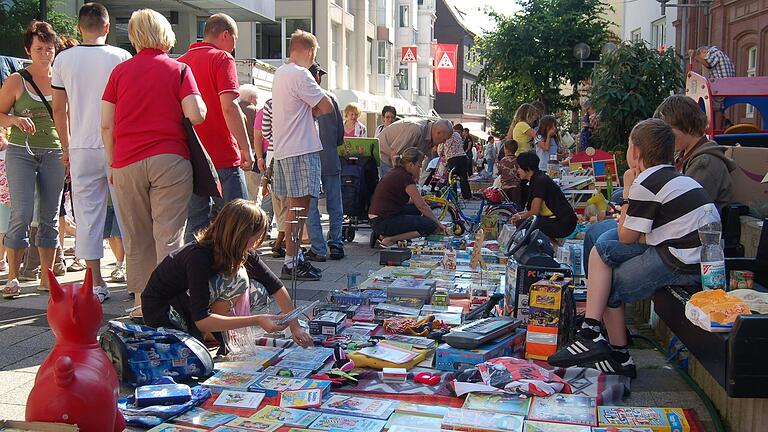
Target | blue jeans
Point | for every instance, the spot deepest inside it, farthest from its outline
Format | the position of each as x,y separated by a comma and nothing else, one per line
332,189
383,169
266,205
43,169
201,209
605,230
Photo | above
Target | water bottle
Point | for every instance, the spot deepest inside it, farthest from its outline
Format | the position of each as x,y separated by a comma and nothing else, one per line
712,258
553,167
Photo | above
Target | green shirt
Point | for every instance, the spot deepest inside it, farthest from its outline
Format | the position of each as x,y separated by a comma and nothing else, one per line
45,132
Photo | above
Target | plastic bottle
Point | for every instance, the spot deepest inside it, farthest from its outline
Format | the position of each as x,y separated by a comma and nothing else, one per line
553,167
712,258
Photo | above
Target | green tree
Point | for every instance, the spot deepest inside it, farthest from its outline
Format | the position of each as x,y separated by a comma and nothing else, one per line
627,86
529,55
15,17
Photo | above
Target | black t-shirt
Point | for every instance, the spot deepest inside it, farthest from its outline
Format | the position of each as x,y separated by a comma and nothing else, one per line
190,269
541,186
390,195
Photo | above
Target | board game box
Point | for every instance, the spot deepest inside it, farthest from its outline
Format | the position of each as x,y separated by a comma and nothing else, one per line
287,416
656,419
475,421
347,423
498,402
564,408
379,409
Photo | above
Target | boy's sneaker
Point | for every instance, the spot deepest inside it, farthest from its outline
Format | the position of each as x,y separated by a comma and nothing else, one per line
612,366
582,350
303,272
102,292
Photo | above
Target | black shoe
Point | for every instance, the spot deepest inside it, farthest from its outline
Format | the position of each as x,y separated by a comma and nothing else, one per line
336,252
582,350
301,271
311,268
312,256
278,253
612,366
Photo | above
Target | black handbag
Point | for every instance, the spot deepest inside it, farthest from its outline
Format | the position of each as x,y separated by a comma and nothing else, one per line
205,178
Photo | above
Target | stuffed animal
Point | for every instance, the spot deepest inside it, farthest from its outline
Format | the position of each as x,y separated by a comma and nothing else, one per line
76,384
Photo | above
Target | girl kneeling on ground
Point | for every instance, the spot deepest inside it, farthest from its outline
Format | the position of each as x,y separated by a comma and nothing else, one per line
196,287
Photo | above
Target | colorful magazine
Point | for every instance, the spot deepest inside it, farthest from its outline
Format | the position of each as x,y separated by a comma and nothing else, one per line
422,410
287,416
347,423
166,427
564,408
251,424
414,421
498,402
296,373
237,399
310,398
230,380
537,426
470,420
201,417
656,419
379,409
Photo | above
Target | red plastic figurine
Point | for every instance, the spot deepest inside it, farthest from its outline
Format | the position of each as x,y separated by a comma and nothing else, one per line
76,384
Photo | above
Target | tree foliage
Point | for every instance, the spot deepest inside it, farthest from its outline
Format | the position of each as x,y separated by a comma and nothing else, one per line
627,86
15,17
530,54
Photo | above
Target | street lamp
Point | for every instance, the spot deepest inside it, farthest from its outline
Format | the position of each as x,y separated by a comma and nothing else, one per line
582,51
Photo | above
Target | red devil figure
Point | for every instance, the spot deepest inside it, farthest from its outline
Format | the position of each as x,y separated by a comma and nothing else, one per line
76,384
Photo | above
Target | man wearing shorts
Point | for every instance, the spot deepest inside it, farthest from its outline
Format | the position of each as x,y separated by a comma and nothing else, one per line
296,100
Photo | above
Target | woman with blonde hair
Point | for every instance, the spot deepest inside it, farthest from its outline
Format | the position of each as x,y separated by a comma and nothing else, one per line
143,105
352,126
521,130
196,288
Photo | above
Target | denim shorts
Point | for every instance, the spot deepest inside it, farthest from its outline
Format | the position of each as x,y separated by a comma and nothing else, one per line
638,271
111,226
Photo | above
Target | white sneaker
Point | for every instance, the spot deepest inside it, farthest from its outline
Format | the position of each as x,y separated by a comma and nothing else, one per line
3,266
102,292
118,274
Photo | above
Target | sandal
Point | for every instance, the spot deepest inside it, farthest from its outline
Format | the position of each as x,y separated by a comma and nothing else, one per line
11,289
76,266
135,315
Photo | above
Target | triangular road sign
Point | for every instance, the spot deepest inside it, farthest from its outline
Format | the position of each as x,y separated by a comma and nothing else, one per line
408,55
445,62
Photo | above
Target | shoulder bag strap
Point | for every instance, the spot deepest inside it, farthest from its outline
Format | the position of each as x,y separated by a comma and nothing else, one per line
183,72
28,78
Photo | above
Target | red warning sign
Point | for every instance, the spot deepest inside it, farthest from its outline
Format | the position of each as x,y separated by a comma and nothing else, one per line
408,54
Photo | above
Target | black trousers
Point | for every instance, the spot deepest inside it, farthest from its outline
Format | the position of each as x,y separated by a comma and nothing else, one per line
556,228
408,219
459,166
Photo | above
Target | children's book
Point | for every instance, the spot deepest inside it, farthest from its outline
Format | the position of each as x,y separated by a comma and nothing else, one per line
238,399
419,422
537,426
389,353
564,408
251,424
167,427
422,410
347,423
309,355
310,398
287,416
397,428
296,373
656,419
475,421
498,402
304,430
273,385
230,380
357,406
201,417
621,429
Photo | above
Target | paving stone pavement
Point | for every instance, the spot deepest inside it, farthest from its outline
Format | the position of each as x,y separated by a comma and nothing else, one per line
25,338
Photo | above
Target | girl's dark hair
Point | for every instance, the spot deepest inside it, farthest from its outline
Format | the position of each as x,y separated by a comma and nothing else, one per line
411,154
528,161
43,31
545,123
388,108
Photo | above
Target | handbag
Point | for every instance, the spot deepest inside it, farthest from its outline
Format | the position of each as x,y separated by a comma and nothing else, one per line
28,78
205,178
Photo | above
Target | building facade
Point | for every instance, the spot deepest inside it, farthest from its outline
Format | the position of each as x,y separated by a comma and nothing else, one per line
468,105
642,21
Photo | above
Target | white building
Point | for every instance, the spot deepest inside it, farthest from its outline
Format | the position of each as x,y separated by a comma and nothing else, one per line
643,21
413,52
425,82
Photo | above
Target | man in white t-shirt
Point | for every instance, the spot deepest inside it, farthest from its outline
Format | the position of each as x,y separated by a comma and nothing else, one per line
296,100
79,77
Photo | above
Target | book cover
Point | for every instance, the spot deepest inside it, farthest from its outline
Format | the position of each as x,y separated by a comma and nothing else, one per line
167,427
564,408
656,419
162,394
537,426
309,355
621,429
277,369
273,385
397,428
287,416
310,398
498,402
238,399
379,409
347,423
388,353
304,430
230,380
201,417
422,410
251,424
414,421
471,421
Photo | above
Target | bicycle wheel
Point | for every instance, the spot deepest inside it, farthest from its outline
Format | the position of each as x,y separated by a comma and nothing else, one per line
503,214
441,212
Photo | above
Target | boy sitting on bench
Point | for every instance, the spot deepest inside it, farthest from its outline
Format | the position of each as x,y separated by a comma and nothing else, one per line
658,246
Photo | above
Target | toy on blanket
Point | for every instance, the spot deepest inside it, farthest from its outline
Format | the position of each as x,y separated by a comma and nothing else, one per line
510,375
477,251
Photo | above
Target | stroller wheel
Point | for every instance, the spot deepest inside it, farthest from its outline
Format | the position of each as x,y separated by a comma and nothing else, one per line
350,237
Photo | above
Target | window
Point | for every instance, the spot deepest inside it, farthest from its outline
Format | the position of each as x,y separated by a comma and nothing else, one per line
381,12
751,71
636,35
369,52
658,32
350,48
290,25
422,86
335,36
403,78
200,28
405,17
384,53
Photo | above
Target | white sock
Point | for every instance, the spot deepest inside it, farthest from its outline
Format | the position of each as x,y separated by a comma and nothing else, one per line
289,261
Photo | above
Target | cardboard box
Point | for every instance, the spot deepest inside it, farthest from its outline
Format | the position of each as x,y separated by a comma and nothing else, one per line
752,165
38,426
448,358
328,323
545,303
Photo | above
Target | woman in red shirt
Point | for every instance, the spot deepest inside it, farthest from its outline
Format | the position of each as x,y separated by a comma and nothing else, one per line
143,106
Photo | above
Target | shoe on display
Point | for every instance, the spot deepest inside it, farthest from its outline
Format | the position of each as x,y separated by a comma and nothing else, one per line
582,350
301,272
336,252
118,274
312,256
102,292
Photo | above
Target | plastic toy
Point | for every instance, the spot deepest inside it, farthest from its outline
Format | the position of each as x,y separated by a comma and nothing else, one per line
76,384
427,378
477,255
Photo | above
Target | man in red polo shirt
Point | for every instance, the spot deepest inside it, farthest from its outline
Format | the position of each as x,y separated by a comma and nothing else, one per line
223,132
